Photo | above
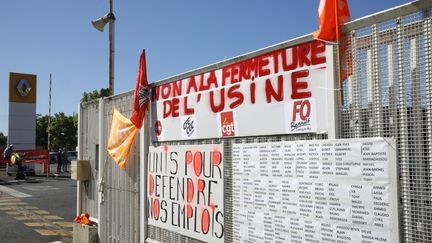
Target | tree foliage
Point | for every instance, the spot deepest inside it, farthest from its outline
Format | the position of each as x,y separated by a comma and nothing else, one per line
93,95
3,140
63,131
42,131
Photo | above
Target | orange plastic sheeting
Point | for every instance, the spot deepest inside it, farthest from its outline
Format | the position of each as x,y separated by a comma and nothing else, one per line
122,135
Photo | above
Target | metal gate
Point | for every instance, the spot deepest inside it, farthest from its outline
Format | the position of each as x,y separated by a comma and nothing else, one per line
116,206
389,94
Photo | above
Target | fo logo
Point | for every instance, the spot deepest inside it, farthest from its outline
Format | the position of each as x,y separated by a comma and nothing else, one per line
301,116
301,109
158,128
227,123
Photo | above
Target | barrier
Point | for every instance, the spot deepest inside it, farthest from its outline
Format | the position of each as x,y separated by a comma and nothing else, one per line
31,157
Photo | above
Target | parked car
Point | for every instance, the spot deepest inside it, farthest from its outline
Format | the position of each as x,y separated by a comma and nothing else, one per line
72,155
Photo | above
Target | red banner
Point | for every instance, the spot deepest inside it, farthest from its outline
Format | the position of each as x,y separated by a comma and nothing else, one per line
29,156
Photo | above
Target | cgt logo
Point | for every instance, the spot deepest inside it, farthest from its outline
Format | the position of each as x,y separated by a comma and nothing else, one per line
227,123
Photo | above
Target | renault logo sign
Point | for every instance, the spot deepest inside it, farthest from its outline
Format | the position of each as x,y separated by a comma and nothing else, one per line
24,87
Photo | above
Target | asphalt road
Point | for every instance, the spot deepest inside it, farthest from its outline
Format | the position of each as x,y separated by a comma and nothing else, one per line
40,211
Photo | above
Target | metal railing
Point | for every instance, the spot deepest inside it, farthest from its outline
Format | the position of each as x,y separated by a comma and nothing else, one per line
389,94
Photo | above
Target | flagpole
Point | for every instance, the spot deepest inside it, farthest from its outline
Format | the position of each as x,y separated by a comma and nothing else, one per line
338,34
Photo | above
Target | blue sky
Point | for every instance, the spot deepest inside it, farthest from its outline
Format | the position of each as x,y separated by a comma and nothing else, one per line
54,36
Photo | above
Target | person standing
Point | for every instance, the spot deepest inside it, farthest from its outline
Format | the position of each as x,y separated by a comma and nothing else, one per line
65,160
59,160
7,154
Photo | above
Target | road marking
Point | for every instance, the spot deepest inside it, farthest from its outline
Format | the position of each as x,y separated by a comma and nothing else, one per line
40,211
45,232
64,224
13,204
36,224
31,215
22,218
13,192
63,233
53,232
30,207
41,188
52,217
3,200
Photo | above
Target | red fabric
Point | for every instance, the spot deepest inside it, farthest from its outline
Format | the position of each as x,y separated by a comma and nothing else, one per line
332,14
142,94
84,218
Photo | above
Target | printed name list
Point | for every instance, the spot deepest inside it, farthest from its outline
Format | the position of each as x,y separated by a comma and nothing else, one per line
315,191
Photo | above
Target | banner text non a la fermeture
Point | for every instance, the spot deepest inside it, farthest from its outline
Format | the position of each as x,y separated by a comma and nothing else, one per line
281,75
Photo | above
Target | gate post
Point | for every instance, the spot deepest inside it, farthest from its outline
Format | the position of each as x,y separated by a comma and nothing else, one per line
102,166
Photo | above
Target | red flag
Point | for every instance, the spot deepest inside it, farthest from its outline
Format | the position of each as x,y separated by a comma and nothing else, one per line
332,14
142,94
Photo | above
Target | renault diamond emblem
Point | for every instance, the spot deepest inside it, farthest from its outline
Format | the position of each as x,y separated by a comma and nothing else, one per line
23,87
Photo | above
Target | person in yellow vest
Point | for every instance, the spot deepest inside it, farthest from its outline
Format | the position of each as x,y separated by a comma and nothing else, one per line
17,158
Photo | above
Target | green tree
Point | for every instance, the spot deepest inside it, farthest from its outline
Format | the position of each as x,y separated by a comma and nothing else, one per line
75,119
63,131
86,97
42,131
3,140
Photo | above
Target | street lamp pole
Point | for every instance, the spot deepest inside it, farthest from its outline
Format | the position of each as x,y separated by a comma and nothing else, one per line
99,24
111,49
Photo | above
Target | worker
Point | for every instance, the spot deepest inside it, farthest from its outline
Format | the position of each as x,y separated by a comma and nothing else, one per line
17,159
7,154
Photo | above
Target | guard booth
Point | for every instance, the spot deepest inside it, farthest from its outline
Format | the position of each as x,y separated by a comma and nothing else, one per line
228,126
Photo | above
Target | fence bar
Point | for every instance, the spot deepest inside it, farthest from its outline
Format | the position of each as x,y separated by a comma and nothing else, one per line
79,156
101,156
376,86
403,135
428,76
355,85
392,91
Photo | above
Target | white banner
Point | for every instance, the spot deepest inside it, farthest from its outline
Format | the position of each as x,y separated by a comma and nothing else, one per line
315,191
185,190
279,92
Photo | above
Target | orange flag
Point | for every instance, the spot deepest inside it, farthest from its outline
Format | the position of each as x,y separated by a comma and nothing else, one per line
122,135
332,14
